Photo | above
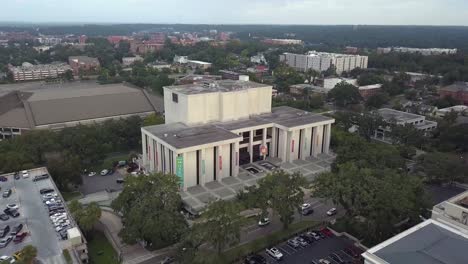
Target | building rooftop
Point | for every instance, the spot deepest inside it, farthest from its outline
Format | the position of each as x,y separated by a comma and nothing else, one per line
26,66
214,87
456,87
370,87
429,242
182,136
84,59
291,117
399,116
59,103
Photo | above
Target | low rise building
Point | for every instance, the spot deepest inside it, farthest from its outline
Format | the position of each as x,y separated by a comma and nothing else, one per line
459,109
458,91
283,41
230,74
56,106
143,47
367,91
30,72
258,59
441,239
197,78
127,61
180,59
84,64
214,128
195,64
396,117
49,40
305,89
330,83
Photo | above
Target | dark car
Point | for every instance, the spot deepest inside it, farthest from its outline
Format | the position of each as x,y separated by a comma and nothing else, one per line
41,177
352,252
20,237
16,175
255,259
120,180
6,193
11,212
110,171
4,217
16,229
307,238
4,230
320,234
46,190
337,258
3,178
5,241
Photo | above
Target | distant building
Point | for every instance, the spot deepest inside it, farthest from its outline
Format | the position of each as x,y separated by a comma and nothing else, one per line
305,88
283,41
116,39
458,91
30,72
180,59
195,64
322,61
258,59
127,61
159,65
384,50
459,109
35,105
143,47
426,52
396,117
369,90
441,239
330,83
229,75
49,41
351,50
84,64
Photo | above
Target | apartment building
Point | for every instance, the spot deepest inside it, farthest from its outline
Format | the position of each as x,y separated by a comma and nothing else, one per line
83,64
322,61
214,128
458,91
283,41
127,61
30,72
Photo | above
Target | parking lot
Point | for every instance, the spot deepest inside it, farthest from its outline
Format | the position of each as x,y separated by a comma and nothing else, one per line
33,215
314,251
99,183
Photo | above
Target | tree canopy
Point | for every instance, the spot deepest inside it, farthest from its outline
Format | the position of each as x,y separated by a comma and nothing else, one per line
345,94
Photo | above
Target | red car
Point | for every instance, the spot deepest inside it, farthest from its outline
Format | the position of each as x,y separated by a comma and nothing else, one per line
326,232
20,237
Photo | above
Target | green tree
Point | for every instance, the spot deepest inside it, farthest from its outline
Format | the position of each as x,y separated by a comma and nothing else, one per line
407,135
368,123
153,119
150,208
86,216
377,101
442,167
28,254
68,75
345,94
65,169
222,224
284,193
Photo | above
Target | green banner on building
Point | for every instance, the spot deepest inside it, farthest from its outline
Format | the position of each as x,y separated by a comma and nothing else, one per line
180,169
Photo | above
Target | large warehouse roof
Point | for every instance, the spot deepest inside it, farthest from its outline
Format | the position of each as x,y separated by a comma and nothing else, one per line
61,103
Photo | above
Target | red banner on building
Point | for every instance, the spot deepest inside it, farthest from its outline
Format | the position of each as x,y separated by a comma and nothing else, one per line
220,162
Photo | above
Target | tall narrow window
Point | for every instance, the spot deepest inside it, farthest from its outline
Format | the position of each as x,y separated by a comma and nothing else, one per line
175,98
230,159
198,167
299,148
214,163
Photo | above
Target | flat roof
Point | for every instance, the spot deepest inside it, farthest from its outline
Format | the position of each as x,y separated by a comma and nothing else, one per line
40,104
212,86
399,116
181,136
291,117
429,242
239,124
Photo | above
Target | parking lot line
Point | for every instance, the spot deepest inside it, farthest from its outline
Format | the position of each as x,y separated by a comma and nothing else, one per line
286,251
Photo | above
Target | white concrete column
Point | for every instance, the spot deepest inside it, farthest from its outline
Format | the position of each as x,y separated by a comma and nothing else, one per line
273,142
264,138
202,166
235,159
251,135
327,135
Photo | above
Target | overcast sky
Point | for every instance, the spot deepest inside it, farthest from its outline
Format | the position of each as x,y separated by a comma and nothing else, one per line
381,12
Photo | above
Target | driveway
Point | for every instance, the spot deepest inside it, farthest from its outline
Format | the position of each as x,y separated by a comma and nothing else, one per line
100,183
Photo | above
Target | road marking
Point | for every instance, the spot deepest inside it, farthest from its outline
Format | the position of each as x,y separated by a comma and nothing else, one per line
285,251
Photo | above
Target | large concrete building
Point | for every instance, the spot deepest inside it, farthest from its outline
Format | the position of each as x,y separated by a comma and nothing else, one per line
322,61
84,64
213,128
55,106
30,72
458,91
443,239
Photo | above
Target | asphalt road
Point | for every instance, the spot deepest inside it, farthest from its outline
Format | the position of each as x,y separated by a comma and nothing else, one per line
99,183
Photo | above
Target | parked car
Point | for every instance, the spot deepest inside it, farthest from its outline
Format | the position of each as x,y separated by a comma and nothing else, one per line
120,180
91,174
293,243
337,258
301,241
3,179
16,175
11,212
324,261
4,230
326,232
110,171
264,221
306,209
255,259
104,172
121,163
25,174
16,229
308,239
274,253
352,252
5,241
6,193
20,237
4,217
331,212
46,190
40,177
7,259
13,206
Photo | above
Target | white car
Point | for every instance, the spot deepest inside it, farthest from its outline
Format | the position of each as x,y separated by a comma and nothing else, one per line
331,212
274,253
91,174
305,206
293,243
324,261
104,172
13,206
26,175
25,171
264,221
7,258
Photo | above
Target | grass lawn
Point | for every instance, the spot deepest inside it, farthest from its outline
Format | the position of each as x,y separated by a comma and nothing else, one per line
69,196
100,250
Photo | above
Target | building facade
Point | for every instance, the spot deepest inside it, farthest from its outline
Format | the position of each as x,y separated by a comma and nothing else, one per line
330,83
369,90
458,91
322,61
213,128
84,64
30,72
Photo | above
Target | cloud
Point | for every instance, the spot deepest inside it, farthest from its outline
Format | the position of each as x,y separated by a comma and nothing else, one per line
421,12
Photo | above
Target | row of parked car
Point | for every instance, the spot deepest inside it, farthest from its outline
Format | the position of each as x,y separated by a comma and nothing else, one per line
14,234
57,213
